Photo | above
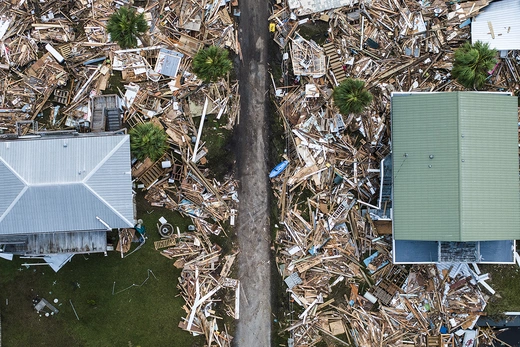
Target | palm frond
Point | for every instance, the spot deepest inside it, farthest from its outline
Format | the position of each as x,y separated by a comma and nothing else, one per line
351,96
473,63
211,63
148,140
125,26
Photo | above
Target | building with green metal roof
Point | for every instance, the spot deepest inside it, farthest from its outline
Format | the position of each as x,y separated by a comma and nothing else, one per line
455,176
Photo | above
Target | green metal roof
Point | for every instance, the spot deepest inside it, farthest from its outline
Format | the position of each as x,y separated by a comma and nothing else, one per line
455,166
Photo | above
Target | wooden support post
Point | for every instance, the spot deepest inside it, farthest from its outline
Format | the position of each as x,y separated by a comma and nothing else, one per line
200,129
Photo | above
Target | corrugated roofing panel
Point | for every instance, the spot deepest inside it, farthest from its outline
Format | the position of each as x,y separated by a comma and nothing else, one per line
490,198
469,189
56,160
12,186
69,207
69,181
425,167
498,25
111,182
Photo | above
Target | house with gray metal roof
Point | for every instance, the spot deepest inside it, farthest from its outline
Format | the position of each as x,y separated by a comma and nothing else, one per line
60,194
455,182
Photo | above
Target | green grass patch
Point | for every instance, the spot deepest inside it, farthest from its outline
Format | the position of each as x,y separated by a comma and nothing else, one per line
505,280
136,314
115,83
281,304
317,31
219,142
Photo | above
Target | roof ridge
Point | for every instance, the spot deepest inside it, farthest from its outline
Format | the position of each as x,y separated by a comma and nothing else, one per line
460,160
105,159
94,171
14,202
14,171
20,194
100,198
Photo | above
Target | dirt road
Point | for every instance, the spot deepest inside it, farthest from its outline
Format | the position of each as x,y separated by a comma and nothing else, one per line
254,325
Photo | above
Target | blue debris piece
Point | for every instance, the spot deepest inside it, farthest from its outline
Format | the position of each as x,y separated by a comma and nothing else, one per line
278,169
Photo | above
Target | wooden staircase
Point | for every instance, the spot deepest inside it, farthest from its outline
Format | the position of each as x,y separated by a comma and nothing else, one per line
335,65
99,104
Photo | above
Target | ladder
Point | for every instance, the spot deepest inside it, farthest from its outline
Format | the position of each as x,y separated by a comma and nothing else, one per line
334,62
345,206
169,242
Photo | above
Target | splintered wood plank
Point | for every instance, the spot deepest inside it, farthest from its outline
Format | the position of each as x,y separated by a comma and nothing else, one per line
125,240
492,32
304,266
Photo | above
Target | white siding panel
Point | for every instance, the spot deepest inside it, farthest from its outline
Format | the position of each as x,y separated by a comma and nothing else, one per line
503,16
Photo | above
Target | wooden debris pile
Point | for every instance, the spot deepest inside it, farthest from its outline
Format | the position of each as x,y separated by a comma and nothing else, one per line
204,277
126,237
178,181
58,31
48,31
397,310
74,40
194,195
188,25
334,245
392,45
307,57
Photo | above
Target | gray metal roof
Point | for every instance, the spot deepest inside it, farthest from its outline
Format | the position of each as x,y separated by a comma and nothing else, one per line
63,184
498,25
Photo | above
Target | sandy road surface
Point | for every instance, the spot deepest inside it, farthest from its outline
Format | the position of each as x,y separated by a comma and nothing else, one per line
254,325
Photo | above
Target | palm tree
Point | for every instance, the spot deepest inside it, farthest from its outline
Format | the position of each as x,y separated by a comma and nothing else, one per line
148,140
472,63
211,63
351,96
125,26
